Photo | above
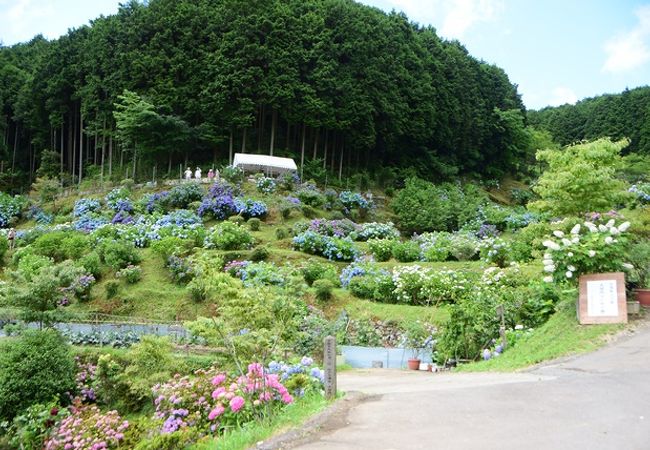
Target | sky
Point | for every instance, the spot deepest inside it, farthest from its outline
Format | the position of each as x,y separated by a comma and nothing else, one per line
556,51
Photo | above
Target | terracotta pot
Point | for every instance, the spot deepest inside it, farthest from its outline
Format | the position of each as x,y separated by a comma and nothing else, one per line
414,364
643,297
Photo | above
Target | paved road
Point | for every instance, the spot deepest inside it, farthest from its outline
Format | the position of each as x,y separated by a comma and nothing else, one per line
595,401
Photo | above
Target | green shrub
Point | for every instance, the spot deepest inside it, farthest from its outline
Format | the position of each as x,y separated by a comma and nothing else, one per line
239,220
4,246
254,223
118,254
260,254
323,289
182,195
170,245
51,245
91,263
34,368
29,264
281,233
381,249
132,274
378,287
407,251
285,211
436,246
311,197
318,271
230,236
112,287
308,211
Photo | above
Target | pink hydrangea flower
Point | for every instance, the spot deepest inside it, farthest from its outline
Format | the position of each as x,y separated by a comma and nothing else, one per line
216,412
237,403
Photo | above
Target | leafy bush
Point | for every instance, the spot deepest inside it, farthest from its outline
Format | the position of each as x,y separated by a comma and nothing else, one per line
85,206
111,287
377,286
254,224
230,236
61,245
4,246
180,269
10,208
182,195
118,199
495,251
407,251
311,197
34,368
232,174
375,230
422,206
170,245
118,254
464,246
381,249
323,289
132,274
281,233
315,270
248,208
336,249
354,200
260,254
265,185
308,211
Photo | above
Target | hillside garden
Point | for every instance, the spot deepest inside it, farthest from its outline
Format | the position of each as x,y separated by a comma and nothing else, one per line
261,269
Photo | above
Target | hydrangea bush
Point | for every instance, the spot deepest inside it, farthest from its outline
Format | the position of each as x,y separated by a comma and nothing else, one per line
335,249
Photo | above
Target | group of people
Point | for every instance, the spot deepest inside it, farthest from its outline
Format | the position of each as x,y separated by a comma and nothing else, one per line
212,174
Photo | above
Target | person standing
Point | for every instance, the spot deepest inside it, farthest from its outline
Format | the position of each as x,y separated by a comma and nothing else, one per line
188,174
197,173
210,175
11,237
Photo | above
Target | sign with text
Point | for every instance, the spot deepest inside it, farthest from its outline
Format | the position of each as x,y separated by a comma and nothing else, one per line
329,358
602,298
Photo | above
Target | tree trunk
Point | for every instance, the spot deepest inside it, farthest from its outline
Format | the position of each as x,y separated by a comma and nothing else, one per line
103,149
169,165
243,141
61,150
135,159
341,159
274,119
73,138
325,150
316,133
230,148
302,149
334,142
288,140
13,158
110,155
81,144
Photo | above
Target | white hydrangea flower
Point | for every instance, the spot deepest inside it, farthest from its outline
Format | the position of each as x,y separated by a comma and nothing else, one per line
624,226
558,233
571,268
550,244
570,254
602,227
566,242
569,274
609,240
592,253
627,266
614,230
549,268
547,262
548,279
575,240
610,223
575,229
547,256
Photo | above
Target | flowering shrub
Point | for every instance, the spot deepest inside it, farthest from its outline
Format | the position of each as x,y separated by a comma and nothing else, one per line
376,230
354,200
88,428
250,208
212,401
132,274
88,223
81,287
495,250
300,378
406,251
265,185
229,236
182,195
335,228
446,286
381,249
232,174
641,192
435,246
180,269
220,207
122,217
154,202
517,220
86,374
39,216
464,246
288,180
256,274
311,196
115,198
586,248
336,249
409,281
85,206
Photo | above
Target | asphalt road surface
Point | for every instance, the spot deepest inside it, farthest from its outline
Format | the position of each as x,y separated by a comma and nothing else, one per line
595,401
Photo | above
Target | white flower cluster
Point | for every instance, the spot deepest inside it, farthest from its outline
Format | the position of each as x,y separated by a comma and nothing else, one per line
571,242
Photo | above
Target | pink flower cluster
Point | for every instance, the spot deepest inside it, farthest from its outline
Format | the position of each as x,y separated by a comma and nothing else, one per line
88,428
212,401
85,380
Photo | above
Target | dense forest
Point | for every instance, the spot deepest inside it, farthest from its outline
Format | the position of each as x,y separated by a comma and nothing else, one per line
625,115
168,82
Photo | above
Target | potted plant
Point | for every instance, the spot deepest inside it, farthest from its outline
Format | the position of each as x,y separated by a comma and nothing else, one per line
639,276
416,338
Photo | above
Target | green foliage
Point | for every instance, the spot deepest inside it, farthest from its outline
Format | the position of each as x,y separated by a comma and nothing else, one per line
171,245
91,263
315,270
61,245
260,254
254,224
30,428
132,274
112,287
4,246
323,289
237,219
381,249
281,233
118,254
580,178
34,368
45,189
378,287
230,236
182,195
407,251
422,206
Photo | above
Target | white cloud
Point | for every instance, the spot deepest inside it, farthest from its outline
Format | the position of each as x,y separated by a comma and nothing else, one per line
562,95
452,18
630,50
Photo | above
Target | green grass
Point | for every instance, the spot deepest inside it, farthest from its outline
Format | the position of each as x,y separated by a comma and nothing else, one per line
562,335
247,436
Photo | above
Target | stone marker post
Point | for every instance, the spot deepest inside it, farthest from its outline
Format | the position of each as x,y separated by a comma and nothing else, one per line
329,359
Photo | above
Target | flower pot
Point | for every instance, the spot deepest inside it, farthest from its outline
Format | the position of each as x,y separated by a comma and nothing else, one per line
414,364
643,297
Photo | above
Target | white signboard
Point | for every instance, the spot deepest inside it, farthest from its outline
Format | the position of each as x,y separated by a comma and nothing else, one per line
602,299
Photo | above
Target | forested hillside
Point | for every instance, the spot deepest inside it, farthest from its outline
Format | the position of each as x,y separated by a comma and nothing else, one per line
625,115
320,79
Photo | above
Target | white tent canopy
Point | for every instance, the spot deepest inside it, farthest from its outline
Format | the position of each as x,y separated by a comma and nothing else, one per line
263,163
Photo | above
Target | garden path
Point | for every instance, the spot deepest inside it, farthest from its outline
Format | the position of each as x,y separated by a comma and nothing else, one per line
595,401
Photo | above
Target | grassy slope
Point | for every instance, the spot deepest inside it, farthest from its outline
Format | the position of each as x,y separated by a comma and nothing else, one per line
560,336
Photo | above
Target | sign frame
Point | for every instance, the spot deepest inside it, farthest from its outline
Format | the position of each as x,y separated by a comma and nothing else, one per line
583,300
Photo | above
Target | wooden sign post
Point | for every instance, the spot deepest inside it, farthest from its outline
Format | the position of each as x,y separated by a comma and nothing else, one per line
329,360
602,298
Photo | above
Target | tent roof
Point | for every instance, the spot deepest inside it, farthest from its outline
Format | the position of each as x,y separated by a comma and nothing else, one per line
263,161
